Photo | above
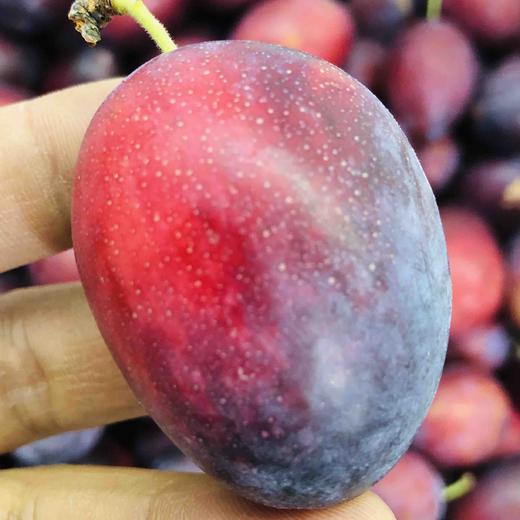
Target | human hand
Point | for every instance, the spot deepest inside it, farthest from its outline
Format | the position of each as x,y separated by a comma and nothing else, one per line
56,374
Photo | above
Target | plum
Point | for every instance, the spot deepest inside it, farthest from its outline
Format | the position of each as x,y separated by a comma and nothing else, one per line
19,64
194,35
431,76
486,346
87,65
440,160
467,420
5,283
489,186
10,94
264,256
514,281
413,489
496,497
30,17
228,4
150,447
107,453
366,62
65,447
324,28
124,31
60,268
153,449
497,110
381,18
509,443
477,269
491,22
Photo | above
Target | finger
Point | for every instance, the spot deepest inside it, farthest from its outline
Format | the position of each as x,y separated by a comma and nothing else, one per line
56,373
115,493
39,143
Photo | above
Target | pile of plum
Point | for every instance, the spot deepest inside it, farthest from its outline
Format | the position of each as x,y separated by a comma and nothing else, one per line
454,87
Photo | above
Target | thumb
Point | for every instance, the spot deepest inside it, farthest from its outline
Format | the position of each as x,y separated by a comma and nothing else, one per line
121,493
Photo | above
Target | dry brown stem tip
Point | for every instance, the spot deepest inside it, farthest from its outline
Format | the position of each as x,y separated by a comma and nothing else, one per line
90,16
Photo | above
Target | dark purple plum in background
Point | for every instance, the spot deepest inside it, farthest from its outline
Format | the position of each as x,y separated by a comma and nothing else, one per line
497,110
19,64
87,65
381,18
28,17
58,449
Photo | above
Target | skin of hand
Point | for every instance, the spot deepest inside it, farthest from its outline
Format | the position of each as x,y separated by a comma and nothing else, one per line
56,374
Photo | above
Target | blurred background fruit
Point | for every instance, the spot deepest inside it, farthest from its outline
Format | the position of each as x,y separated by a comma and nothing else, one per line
497,109
487,346
477,269
430,78
30,17
490,22
11,94
87,65
466,421
366,62
413,489
324,28
495,498
440,160
60,268
381,18
126,32
59,449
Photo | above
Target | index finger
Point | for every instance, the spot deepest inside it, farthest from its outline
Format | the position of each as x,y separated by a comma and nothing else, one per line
39,143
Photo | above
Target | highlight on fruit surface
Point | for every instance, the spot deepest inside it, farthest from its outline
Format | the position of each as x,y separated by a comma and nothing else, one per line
247,219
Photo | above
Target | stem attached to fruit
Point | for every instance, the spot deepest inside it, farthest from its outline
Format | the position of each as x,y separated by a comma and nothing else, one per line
90,16
434,9
460,487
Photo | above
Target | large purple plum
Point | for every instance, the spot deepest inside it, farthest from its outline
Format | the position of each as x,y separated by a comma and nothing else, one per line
265,259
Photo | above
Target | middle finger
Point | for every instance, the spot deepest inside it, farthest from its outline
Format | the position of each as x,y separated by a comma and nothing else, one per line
56,373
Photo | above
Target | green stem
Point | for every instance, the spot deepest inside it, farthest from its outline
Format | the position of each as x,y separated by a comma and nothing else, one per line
460,487
433,11
90,16
141,14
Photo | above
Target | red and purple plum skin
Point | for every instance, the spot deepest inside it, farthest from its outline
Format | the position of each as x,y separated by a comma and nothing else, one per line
265,259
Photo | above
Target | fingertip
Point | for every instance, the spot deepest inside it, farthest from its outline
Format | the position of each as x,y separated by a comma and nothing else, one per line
122,493
368,506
